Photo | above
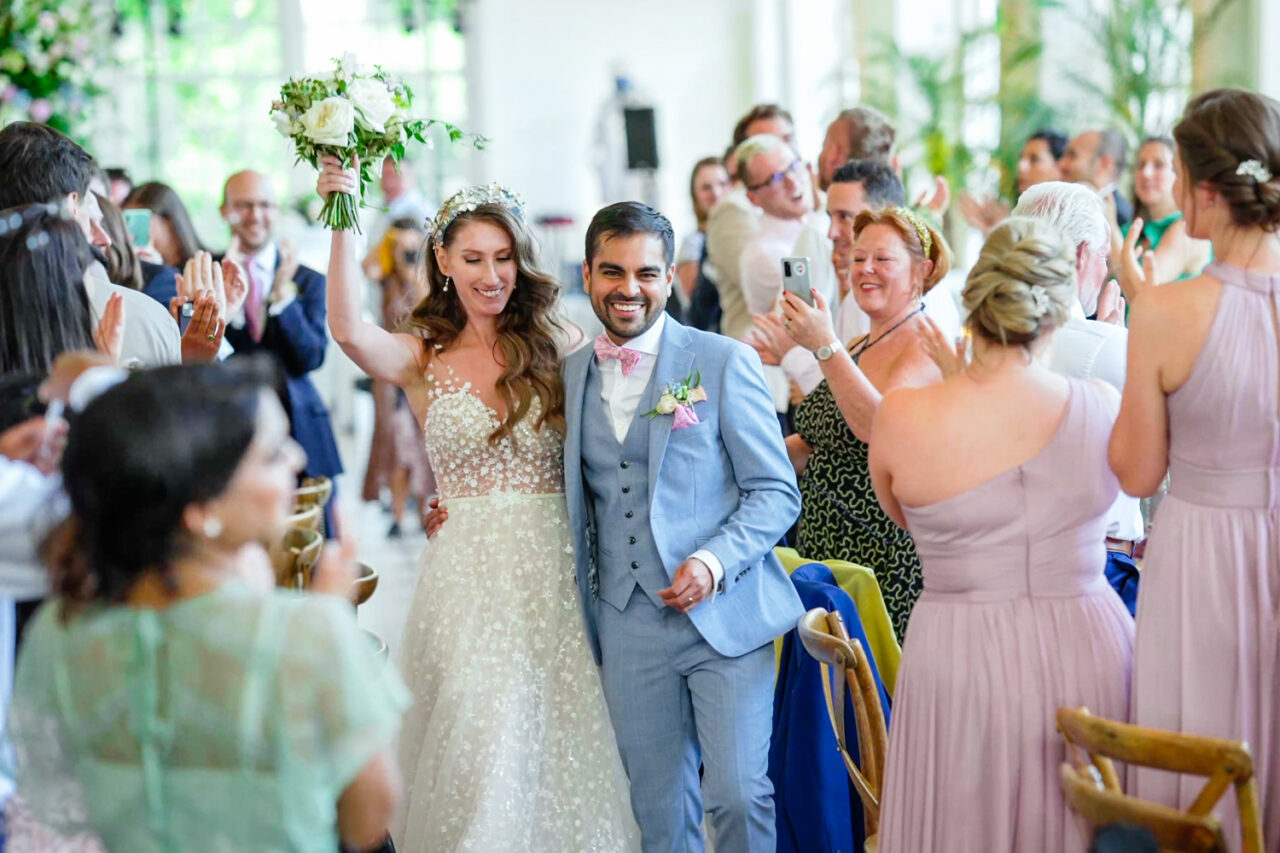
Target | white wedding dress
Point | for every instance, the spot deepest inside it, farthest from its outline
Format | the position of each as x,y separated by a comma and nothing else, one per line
508,745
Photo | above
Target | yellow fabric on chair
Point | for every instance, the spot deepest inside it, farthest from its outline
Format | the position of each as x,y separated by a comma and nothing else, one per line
860,582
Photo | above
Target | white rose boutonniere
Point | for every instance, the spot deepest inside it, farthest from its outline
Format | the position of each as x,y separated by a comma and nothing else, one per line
678,399
329,122
373,103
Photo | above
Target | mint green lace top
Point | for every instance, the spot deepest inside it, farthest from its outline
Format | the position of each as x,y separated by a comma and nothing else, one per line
229,721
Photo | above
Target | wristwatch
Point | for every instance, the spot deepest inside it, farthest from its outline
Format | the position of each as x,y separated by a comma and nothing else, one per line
825,351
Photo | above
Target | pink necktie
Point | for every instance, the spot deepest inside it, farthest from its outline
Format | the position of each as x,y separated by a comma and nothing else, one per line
253,303
607,349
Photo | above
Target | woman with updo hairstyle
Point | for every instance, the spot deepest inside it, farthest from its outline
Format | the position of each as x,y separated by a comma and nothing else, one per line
897,258
508,745
166,698
1000,475
1202,400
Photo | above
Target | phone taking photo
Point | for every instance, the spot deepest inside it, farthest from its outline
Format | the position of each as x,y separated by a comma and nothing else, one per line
185,313
795,278
137,221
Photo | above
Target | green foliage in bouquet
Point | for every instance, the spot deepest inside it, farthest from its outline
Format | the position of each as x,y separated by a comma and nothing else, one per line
357,114
50,51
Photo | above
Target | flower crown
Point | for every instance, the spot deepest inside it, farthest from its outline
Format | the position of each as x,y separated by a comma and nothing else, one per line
917,222
467,200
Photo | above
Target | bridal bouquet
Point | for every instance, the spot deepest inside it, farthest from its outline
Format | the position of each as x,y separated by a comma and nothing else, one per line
353,112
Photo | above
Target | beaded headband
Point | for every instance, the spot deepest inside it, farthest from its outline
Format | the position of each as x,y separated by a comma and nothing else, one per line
467,200
922,230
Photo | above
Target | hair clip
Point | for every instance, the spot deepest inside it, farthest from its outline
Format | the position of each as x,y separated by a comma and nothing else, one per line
1254,169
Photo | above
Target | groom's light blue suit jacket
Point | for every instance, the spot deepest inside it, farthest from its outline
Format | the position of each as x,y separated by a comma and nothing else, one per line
724,485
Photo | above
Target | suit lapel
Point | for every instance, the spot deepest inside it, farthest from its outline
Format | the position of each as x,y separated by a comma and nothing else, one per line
675,362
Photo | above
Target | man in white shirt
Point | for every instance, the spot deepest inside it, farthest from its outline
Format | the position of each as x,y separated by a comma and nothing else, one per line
38,164
734,221
1089,349
402,197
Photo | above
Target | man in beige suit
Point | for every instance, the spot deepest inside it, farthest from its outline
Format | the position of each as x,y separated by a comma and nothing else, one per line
734,222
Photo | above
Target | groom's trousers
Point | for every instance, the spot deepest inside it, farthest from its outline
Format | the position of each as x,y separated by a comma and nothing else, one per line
676,702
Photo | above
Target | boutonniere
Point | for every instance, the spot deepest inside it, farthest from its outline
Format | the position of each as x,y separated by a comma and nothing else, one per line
678,398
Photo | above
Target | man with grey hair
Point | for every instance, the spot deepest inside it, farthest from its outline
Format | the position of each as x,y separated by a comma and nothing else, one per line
1098,158
1091,349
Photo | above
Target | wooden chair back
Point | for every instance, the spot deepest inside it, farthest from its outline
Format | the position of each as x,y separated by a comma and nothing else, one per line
826,639
1225,763
1098,805
294,556
314,491
306,519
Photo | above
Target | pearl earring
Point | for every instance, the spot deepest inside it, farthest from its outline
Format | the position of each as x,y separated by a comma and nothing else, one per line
445,289
212,528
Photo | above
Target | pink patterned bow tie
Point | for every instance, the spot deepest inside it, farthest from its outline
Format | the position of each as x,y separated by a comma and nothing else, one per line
607,349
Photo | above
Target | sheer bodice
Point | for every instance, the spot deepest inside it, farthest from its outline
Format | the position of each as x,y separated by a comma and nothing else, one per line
466,464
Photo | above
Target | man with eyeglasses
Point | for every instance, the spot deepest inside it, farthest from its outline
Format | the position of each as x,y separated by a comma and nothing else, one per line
284,314
780,183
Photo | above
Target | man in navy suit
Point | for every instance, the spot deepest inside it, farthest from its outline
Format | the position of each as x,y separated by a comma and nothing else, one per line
284,314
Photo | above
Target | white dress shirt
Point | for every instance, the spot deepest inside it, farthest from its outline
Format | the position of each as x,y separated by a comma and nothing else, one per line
262,267
151,337
621,396
1090,349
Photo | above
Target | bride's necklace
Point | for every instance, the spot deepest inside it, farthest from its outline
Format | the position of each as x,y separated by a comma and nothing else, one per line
862,349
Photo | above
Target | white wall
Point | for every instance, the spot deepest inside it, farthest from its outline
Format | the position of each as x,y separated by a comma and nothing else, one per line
538,73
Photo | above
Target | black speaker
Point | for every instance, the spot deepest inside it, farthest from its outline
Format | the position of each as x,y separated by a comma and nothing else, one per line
642,138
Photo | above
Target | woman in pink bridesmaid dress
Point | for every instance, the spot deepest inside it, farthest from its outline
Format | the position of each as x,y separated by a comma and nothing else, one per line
1202,399
1000,474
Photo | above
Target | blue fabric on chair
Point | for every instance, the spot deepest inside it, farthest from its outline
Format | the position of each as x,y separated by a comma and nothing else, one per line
1122,574
817,806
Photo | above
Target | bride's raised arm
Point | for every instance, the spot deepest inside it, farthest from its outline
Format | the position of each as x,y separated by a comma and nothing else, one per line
379,353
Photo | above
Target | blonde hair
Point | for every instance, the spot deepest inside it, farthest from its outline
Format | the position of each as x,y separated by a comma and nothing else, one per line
908,226
751,147
1023,282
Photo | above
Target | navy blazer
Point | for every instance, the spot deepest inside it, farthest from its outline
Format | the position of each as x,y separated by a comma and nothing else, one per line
818,808
297,339
159,282
1124,208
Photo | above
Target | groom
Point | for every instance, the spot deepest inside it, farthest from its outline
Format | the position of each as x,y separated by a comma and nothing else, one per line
678,485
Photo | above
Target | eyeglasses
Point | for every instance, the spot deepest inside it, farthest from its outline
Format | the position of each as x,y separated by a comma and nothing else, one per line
247,206
777,178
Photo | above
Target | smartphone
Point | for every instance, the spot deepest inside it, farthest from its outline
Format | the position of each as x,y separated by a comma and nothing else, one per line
795,278
137,221
185,313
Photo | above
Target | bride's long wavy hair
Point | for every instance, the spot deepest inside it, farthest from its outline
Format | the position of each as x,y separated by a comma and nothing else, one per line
530,334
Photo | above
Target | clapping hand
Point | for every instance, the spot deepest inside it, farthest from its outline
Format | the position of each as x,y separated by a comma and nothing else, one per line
201,283
691,586
983,215
235,286
1135,280
941,198
283,289
108,337
770,338
950,357
809,326
1111,304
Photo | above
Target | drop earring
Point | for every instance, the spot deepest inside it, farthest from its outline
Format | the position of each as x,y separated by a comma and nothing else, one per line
445,289
212,528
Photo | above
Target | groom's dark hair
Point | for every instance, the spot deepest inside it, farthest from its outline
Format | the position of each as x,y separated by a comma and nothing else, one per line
39,164
626,218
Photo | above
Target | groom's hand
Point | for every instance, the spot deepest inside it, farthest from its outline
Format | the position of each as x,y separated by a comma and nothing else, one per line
690,587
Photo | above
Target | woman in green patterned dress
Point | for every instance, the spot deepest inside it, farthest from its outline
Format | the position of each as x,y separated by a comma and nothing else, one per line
897,258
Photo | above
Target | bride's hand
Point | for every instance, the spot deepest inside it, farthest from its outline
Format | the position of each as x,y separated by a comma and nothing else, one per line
435,519
335,179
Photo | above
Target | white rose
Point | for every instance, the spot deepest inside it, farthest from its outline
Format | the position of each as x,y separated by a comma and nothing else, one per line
329,122
373,102
666,404
284,123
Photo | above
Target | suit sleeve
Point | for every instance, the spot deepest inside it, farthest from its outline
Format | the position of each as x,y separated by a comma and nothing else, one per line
297,334
769,500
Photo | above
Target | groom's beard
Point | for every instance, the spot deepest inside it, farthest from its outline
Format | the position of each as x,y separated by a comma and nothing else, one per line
633,326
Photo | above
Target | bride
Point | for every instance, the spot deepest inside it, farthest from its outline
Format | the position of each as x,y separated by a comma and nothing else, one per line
508,745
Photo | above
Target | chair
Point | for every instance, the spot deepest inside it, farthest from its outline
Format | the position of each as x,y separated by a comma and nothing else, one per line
1225,763
294,556
306,519
1089,797
862,586
313,491
365,583
825,638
